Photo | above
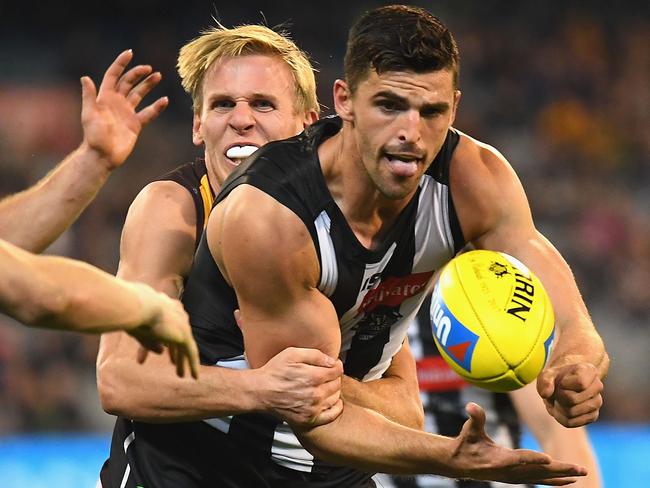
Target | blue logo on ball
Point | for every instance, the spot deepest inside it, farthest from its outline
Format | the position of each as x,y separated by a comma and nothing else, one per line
456,340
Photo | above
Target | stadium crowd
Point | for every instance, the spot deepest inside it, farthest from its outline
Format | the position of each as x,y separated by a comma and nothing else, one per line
563,91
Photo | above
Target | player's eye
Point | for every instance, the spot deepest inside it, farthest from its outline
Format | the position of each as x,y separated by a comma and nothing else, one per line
222,104
388,105
263,105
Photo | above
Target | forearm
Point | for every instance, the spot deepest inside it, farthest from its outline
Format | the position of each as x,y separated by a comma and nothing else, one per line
578,340
60,293
390,397
152,392
396,395
54,203
367,441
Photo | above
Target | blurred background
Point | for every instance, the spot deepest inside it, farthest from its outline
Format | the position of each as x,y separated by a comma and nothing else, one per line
562,89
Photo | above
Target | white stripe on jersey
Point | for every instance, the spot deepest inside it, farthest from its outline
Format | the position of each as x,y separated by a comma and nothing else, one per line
287,451
329,273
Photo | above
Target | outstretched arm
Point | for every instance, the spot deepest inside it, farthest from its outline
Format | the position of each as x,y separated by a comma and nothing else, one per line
111,127
60,293
284,302
556,440
494,214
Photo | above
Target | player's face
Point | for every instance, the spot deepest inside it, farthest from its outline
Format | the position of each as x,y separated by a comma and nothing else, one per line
400,121
247,101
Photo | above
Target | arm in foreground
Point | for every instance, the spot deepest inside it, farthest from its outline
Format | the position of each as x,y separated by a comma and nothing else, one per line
494,214
570,445
60,293
396,395
111,127
157,248
285,303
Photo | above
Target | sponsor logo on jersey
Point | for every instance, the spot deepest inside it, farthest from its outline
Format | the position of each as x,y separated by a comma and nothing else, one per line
392,291
457,341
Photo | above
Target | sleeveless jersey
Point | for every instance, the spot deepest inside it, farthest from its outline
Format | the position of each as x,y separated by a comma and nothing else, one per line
444,395
119,470
376,293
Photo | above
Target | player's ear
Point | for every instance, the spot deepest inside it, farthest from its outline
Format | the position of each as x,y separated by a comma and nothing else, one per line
457,94
197,137
311,116
343,100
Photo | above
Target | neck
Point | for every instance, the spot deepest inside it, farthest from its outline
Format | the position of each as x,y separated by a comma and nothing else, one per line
213,178
368,212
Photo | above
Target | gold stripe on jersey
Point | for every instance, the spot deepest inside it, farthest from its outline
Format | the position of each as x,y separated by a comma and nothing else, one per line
207,197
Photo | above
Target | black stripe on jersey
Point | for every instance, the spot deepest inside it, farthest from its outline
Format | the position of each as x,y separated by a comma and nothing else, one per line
373,331
189,176
439,169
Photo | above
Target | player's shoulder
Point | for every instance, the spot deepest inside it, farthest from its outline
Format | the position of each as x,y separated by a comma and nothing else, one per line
163,203
483,184
480,167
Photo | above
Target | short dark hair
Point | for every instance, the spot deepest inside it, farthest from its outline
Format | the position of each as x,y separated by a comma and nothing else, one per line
399,38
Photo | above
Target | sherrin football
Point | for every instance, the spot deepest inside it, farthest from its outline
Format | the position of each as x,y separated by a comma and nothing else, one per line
492,320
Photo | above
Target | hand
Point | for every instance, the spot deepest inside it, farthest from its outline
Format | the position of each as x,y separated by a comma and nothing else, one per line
479,458
169,327
572,393
300,385
110,123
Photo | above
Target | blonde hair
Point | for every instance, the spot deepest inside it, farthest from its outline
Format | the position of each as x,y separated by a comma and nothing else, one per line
219,42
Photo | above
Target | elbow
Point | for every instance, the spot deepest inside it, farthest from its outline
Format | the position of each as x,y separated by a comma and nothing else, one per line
110,395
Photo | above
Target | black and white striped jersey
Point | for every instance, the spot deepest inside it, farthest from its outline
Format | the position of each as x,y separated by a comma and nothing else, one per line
376,293
444,396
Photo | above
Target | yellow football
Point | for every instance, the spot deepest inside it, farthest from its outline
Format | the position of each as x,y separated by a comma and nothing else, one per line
492,320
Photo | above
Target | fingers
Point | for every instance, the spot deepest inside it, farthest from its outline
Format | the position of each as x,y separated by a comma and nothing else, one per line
136,93
328,415
193,358
152,111
314,357
238,319
570,397
143,352
579,378
115,70
132,77
476,422
546,383
88,93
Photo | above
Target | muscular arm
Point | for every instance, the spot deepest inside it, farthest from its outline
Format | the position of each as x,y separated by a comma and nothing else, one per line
157,248
560,442
396,395
494,214
284,302
111,127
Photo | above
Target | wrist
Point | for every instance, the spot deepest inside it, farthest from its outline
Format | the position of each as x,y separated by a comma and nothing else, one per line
100,161
148,309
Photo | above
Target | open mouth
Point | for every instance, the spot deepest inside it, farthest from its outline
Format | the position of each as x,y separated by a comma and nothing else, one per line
237,154
404,165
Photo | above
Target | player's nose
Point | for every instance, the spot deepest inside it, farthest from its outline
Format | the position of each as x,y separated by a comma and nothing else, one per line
409,130
242,118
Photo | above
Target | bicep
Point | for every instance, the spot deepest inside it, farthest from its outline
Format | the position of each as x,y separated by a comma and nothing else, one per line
271,262
158,238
